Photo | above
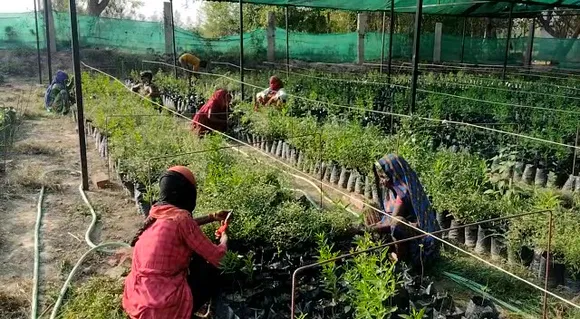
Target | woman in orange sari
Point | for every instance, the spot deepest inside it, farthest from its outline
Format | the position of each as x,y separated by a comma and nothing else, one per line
213,115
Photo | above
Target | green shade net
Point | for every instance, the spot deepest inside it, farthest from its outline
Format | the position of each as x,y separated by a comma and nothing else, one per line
17,32
437,7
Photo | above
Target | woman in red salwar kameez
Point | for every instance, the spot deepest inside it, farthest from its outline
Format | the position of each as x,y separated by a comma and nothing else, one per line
170,244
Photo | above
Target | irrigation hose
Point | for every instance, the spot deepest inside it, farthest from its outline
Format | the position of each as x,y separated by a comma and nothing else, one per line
346,194
64,288
94,247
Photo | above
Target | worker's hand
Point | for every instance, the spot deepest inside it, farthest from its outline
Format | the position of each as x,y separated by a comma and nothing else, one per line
224,238
221,215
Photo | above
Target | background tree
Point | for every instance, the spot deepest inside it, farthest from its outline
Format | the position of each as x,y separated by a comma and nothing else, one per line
105,8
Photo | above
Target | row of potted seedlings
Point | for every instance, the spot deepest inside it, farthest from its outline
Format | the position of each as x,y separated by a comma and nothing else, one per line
348,179
134,189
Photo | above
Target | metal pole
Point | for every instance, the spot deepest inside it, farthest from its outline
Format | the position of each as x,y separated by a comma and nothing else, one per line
531,43
47,35
575,152
547,270
507,43
242,49
173,40
287,45
383,43
463,39
416,47
391,31
79,92
37,43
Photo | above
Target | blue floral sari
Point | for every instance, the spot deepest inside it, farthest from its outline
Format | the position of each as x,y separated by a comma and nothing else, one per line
407,187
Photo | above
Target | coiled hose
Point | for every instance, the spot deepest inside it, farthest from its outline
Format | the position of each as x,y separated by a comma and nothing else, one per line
101,247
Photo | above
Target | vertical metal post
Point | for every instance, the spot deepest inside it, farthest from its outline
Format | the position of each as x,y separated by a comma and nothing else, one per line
391,31
287,45
416,47
173,40
47,35
463,39
507,43
242,48
383,43
37,43
547,270
575,152
531,43
79,92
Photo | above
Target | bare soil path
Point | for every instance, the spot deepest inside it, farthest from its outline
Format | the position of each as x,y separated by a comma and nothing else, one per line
45,142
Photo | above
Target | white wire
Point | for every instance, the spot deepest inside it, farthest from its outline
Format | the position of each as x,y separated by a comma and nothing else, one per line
350,196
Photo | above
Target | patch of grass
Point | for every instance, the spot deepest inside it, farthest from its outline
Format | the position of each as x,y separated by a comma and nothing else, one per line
12,307
34,148
98,298
27,176
32,177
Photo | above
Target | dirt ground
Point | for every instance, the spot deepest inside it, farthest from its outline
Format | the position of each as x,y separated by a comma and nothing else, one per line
45,142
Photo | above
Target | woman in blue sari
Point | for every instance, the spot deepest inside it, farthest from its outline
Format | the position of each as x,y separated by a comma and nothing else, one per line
58,94
403,201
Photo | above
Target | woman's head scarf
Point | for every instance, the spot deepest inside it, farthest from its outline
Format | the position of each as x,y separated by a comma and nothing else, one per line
406,184
219,101
60,78
178,187
275,83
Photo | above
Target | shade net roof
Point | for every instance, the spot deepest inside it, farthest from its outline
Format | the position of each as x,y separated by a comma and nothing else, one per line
474,8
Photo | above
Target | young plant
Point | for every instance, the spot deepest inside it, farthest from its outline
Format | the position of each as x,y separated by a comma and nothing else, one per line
372,281
329,270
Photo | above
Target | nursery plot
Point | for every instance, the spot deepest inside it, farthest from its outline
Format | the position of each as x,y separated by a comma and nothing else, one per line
460,184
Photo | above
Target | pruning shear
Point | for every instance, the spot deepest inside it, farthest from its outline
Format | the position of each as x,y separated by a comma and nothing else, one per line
223,227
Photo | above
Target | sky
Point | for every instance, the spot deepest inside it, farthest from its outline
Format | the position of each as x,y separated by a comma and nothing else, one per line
188,10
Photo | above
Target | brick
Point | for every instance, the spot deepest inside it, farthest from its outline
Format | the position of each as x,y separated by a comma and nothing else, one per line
101,180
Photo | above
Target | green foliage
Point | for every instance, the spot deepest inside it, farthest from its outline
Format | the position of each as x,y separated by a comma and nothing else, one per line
146,143
372,281
99,298
329,270
415,314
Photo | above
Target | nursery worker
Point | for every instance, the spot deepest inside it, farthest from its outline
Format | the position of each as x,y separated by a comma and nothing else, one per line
146,87
58,94
190,62
401,195
213,115
174,268
273,95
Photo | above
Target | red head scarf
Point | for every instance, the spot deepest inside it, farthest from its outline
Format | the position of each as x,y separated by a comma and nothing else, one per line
275,83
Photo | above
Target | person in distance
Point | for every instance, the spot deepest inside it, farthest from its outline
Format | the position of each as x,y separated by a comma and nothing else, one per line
273,95
213,115
190,62
58,97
